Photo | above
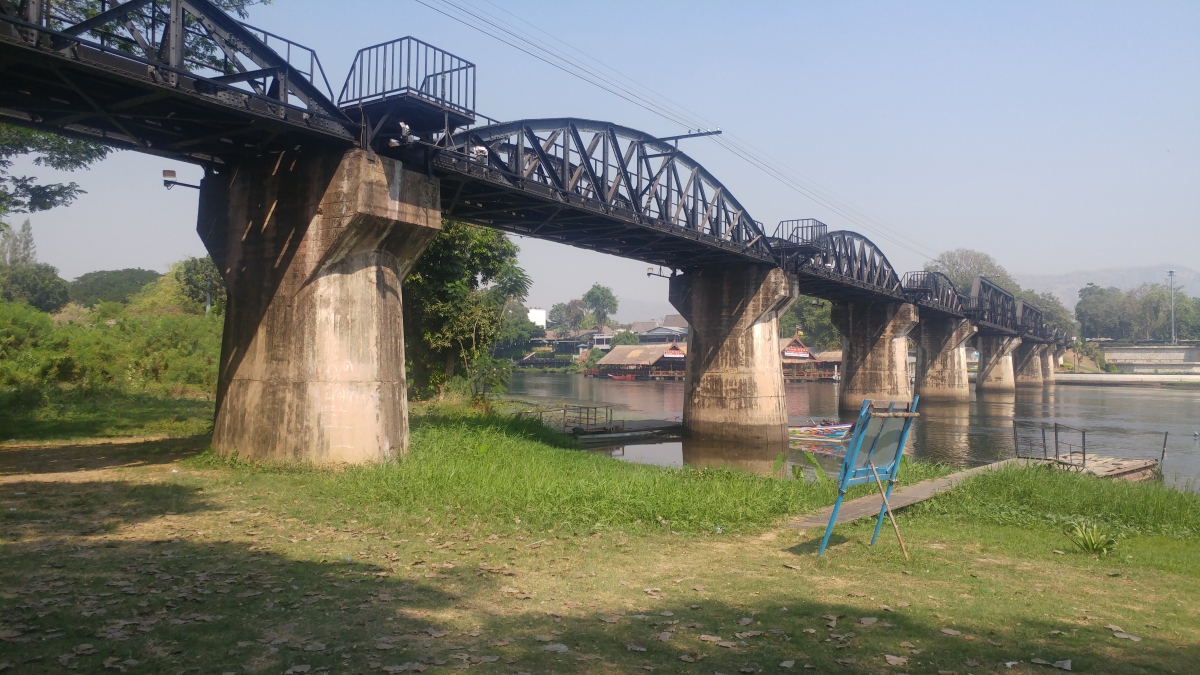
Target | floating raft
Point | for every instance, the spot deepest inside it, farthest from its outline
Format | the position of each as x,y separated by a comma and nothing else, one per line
1103,466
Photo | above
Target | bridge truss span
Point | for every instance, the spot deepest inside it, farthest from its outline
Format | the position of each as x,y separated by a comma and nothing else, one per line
599,186
934,291
847,265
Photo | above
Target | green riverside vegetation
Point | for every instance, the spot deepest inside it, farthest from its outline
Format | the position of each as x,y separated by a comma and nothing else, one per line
499,470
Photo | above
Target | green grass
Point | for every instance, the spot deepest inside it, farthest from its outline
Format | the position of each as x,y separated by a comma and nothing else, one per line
1044,497
111,416
498,469
238,567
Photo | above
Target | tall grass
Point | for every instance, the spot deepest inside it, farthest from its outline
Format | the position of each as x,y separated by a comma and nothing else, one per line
1036,495
498,470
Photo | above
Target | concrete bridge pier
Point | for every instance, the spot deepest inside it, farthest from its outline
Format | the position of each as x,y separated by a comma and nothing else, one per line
1027,364
1050,358
733,386
942,358
874,351
313,246
996,363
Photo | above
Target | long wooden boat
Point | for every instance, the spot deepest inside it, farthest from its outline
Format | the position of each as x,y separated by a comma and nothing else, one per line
832,432
623,377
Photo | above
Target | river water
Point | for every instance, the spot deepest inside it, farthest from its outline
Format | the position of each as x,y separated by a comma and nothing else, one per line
1123,420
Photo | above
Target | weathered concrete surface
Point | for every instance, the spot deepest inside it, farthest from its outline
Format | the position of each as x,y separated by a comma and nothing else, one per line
942,358
996,363
1049,363
313,246
1027,364
733,387
874,351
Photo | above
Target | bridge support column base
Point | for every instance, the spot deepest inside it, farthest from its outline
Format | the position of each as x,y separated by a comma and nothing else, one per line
1027,364
942,358
733,386
1050,361
313,246
996,363
874,351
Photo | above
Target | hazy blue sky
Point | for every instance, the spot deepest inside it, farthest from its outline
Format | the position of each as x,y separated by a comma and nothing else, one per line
1055,136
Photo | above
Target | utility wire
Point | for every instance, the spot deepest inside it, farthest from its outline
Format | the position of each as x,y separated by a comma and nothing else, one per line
511,36
809,184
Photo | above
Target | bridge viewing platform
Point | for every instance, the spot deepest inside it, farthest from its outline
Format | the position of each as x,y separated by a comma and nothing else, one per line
315,210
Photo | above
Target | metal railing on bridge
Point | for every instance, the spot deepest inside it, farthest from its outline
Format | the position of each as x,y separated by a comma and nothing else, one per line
409,67
800,231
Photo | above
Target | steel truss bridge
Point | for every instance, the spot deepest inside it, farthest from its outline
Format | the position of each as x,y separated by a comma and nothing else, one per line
183,79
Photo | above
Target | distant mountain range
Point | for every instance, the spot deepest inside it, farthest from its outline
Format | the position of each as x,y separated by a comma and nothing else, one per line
1066,286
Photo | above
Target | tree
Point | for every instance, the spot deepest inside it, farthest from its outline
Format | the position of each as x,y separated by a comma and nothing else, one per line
516,331
455,299
962,265
601,302
626,337
110,285
567,315
811,317
17,248
37,284
201,281
1100,312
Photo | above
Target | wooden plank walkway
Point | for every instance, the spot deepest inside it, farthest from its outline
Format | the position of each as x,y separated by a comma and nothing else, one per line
868,506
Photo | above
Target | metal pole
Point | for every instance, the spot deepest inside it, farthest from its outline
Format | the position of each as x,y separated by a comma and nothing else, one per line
1083,436
888,506
1171,276
1043,442
1056,441
1163,456
1016,441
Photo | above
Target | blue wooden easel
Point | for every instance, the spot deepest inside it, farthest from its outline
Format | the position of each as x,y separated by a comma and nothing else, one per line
885,434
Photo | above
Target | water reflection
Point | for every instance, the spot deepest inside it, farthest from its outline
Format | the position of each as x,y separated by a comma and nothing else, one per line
1127,421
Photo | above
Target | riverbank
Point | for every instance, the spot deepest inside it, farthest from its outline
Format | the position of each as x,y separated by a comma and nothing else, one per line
1126,379
157,556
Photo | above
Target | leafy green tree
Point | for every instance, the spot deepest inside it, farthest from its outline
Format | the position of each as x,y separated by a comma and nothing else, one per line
110,285
516,331
626,337
201,281
38,285
1100,312
811,317
455,300
601,302
962,265
567,315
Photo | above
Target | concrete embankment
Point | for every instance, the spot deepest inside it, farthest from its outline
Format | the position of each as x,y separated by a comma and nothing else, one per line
1122,379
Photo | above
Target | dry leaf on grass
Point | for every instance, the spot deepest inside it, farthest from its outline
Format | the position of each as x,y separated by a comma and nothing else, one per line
895,660
663,636
610,619
867,621
745,621
749,633
557,647
787,664
635,648
951,631
709,638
